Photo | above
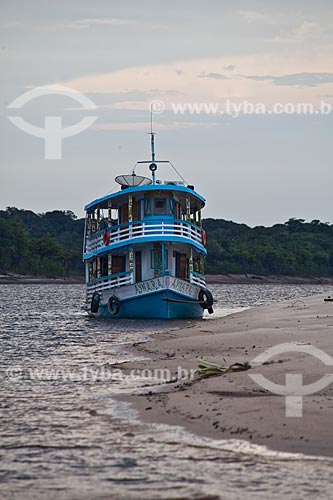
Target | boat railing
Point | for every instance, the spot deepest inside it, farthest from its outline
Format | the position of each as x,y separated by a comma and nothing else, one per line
127,278
142,229
197,279
111,281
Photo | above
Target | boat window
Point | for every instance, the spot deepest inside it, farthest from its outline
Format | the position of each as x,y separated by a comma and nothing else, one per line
160,206
178,210
113,216
196,264
166,259
172,207
154,257
92,274
118,264
104,265
136,210
147,207
124,213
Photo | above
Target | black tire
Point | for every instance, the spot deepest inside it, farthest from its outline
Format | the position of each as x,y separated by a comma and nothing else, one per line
95,300
114,305
206,300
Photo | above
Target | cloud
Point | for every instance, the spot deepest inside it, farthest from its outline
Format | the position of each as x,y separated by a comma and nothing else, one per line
179,72
104,21
128,105
260,78
215,76
308,28
254,17
299,79
203,80
304,79
138,126
309,32
11,24
130,99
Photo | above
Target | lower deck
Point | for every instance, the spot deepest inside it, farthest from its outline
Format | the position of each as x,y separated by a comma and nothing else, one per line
140,263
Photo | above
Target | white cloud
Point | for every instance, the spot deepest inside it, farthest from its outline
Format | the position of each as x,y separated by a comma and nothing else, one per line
308,32
129,105
104,21
308,28
255,17
138,81
11,24
300,79
143,126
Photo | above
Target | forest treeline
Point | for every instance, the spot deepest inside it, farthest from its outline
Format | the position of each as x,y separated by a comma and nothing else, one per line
47,244
50,244
295,248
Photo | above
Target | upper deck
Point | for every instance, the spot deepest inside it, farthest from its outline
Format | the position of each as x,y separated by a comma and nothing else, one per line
158,212
120,196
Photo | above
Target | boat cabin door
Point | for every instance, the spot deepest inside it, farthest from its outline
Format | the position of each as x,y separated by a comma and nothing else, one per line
138,267
181,265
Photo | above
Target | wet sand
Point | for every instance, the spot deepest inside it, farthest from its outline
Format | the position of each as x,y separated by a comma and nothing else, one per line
233,405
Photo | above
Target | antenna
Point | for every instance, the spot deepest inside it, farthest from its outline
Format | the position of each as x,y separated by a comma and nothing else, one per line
152,166
132,180
152,134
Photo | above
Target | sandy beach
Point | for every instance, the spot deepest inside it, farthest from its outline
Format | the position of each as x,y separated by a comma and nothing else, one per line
233,405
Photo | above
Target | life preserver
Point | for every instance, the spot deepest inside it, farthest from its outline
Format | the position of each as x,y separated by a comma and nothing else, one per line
114,305
206,299
203,237
95,300
106,237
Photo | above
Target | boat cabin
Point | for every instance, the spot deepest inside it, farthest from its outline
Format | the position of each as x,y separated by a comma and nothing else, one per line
144,232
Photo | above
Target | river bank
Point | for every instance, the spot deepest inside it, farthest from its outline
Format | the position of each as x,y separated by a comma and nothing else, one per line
233,405
20,279
251,279
227,279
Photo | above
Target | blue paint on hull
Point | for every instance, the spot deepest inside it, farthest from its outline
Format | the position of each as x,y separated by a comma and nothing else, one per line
152,306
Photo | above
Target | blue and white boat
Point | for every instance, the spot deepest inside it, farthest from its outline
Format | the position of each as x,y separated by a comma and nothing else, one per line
144,249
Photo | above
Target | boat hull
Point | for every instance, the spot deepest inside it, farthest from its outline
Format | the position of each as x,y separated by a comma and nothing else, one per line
162,303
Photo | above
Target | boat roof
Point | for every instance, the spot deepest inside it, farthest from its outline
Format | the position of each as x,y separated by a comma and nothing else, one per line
122,194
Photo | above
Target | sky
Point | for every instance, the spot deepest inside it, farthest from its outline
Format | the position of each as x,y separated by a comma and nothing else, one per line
248,67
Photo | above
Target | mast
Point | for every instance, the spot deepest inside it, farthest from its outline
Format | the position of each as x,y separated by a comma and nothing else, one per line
152,166
152,134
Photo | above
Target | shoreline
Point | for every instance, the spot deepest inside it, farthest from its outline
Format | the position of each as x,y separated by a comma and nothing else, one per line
211,279
233,406
39,280
257,279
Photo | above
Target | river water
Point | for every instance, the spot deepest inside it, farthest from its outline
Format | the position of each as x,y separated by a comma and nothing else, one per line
63,436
